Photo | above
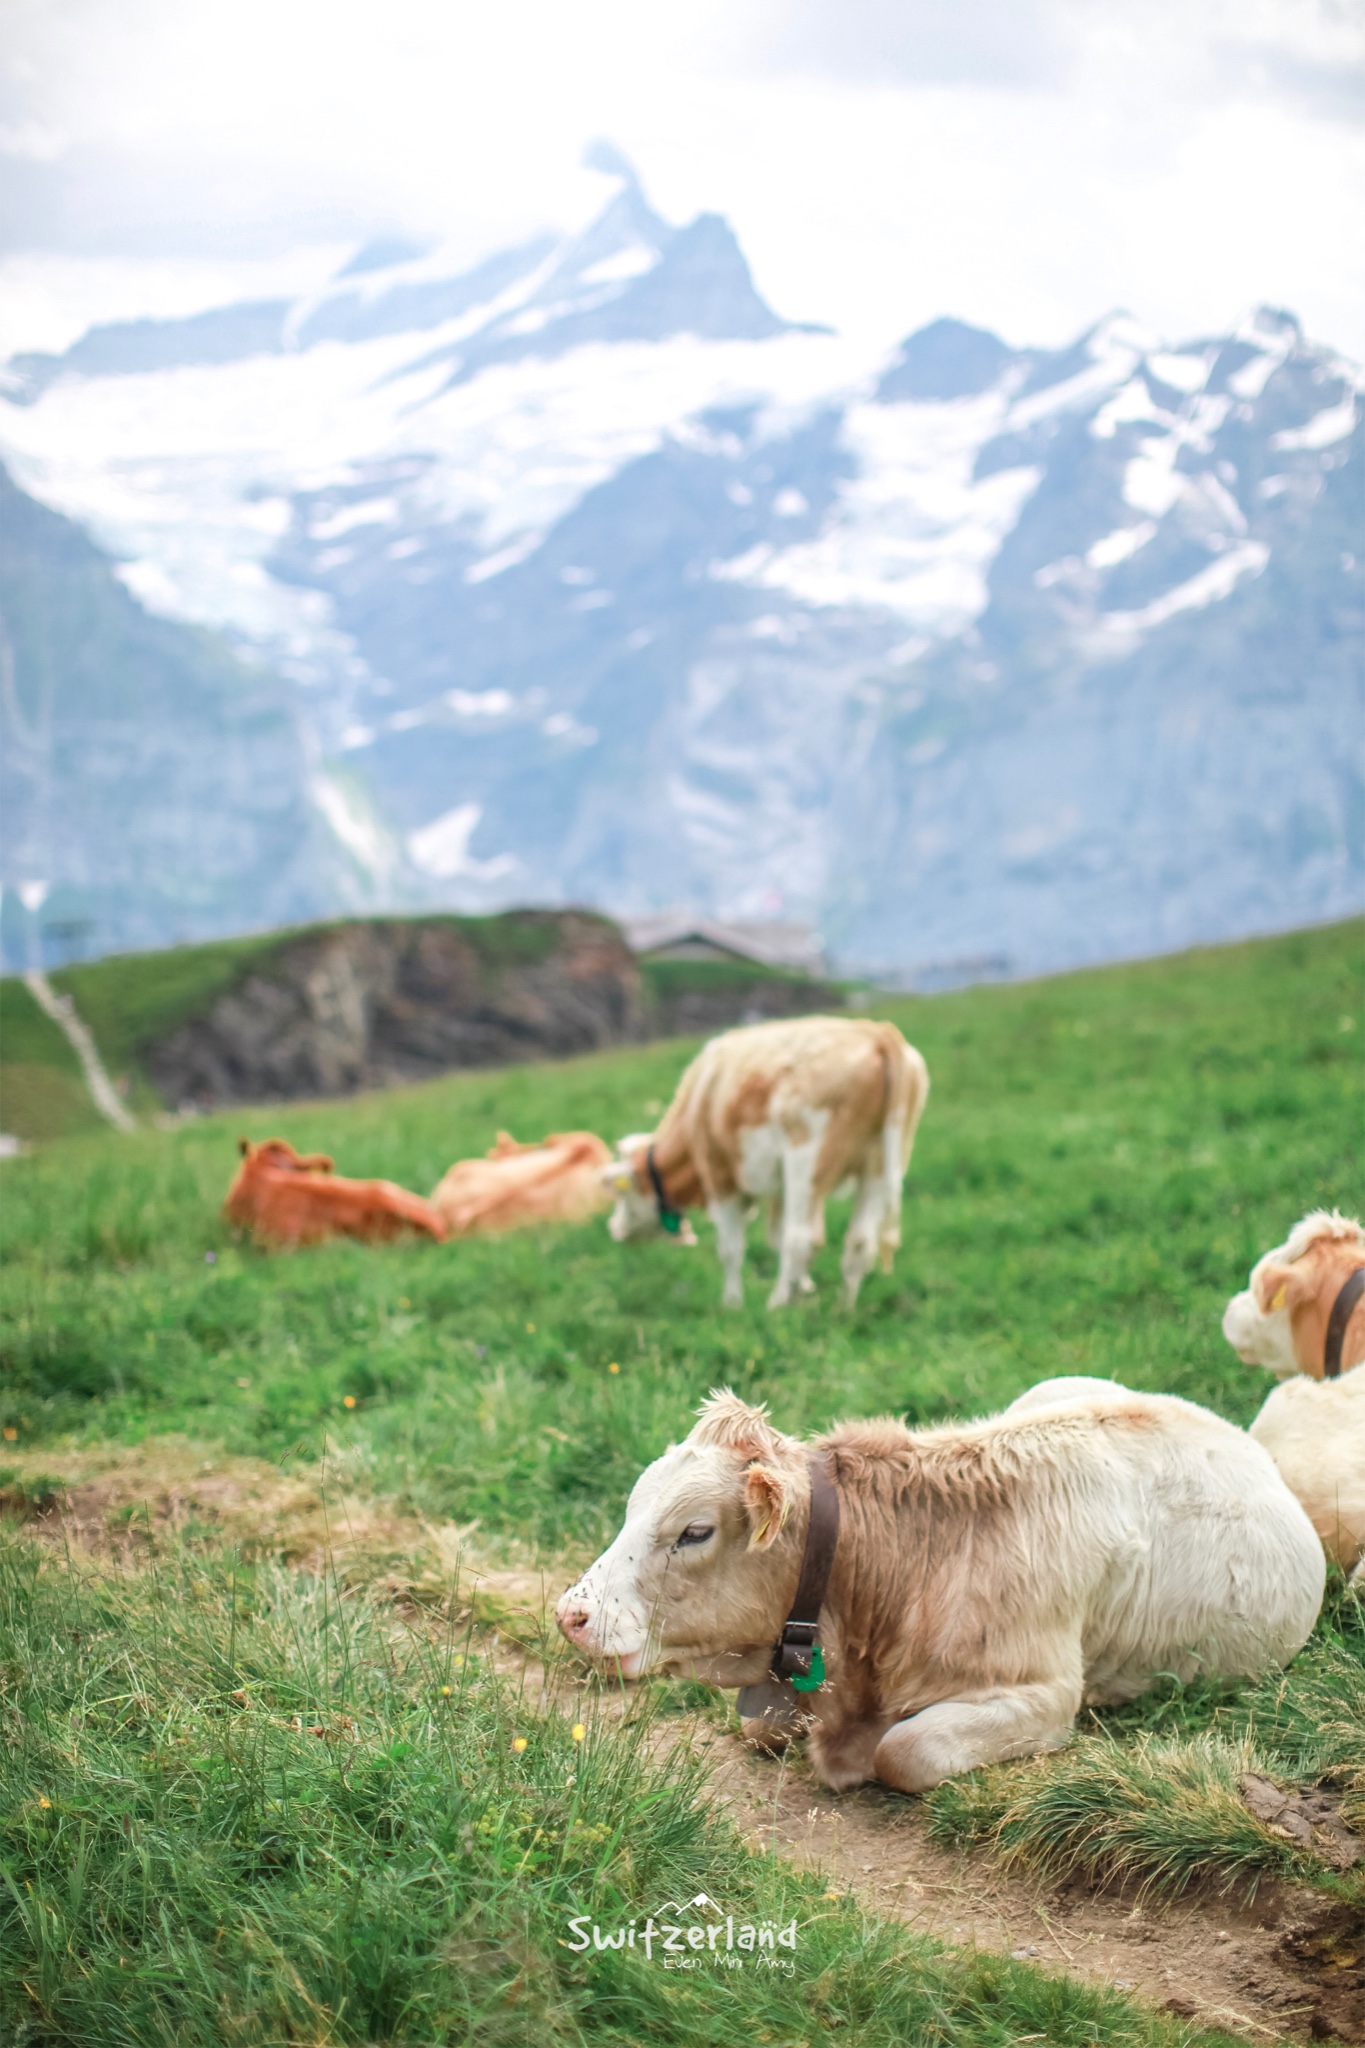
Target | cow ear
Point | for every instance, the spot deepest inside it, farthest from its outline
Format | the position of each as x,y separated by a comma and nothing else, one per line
244,1147
618,1177
1278,1287
767,1503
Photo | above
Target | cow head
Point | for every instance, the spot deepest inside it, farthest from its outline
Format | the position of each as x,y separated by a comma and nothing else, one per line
701,1576
280,1154
636,1214
1279,1321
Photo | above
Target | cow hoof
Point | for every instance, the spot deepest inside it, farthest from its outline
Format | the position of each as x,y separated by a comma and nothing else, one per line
807,1285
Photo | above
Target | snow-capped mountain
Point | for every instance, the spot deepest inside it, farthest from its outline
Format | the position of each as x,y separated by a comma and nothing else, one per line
585,577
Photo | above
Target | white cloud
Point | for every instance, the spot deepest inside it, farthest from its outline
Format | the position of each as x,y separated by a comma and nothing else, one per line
884,161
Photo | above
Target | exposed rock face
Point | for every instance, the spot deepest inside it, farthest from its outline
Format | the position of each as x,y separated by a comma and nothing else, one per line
371,1003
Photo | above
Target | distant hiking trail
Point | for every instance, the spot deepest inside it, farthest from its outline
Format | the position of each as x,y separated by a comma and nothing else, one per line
62,1011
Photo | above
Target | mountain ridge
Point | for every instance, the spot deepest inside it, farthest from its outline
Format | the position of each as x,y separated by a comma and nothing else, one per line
623,589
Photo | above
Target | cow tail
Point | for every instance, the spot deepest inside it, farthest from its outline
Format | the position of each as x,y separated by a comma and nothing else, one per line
907,1090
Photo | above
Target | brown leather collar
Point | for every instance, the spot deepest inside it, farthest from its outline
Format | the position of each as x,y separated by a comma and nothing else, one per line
795,1649
1342,1310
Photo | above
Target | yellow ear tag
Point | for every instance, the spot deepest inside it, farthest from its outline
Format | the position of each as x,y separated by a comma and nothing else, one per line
1280,1292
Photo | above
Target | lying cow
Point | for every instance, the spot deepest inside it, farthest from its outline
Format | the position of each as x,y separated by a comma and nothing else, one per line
557,1181
970,1585
284,1197
1302,1317
784,1112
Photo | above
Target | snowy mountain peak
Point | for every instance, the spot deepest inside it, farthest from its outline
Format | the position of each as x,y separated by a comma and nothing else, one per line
588,577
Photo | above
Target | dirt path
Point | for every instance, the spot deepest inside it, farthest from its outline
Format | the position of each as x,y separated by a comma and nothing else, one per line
1285,1968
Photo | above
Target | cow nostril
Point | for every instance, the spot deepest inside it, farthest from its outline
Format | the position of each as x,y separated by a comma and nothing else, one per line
575,1621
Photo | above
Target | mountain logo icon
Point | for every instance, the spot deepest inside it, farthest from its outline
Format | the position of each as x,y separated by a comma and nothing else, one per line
701,1903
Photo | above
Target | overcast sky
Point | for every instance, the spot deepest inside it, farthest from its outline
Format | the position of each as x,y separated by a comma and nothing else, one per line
1029,164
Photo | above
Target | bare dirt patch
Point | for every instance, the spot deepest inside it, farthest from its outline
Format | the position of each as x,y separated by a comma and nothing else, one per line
125,1504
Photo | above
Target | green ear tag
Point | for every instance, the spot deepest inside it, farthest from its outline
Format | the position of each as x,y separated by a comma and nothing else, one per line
817,1673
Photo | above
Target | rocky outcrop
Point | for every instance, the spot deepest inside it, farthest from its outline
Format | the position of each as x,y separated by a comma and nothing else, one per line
370,1003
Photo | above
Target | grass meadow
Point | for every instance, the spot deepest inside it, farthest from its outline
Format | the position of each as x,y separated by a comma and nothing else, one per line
244,1802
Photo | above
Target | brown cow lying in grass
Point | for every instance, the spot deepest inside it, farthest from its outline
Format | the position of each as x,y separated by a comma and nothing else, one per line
1314,1425
288,1198
556,1181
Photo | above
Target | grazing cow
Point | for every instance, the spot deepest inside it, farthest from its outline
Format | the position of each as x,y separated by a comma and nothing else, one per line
288,1198
786,1112
983,1579
556,1181
1302,1317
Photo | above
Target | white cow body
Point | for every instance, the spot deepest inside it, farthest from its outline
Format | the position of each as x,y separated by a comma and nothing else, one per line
1315,1432
990,1576
784,1114
1314,1428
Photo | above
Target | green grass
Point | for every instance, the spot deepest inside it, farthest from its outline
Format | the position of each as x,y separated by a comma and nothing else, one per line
240,1808
1102,1159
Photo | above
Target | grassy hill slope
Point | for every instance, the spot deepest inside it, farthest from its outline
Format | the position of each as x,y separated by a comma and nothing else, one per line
1102,1158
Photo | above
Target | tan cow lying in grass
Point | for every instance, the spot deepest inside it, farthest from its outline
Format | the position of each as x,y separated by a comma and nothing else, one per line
1314,1425
988,1576
288,1198
556,1181
785,1113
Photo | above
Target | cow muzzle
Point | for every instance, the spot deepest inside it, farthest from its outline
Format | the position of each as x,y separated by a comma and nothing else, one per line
600,1638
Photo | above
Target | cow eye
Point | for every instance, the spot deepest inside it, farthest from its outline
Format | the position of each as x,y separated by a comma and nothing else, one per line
695,1532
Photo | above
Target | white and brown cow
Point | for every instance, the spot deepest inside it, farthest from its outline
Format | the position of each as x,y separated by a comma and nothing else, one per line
1314,1425
988,1577
783,1113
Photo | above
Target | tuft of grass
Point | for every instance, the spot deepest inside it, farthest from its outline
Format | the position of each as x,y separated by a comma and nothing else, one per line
236,1805
1147,1794
1157,1812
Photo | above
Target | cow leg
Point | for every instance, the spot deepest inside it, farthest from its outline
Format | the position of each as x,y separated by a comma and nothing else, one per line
798,1200
864,1235
957,1735
728,1217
